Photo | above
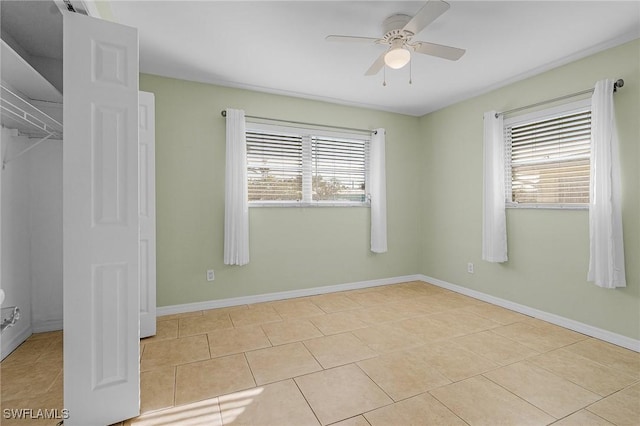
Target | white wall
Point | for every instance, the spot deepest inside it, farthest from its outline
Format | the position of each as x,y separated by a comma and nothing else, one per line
31,237
46,235
16,265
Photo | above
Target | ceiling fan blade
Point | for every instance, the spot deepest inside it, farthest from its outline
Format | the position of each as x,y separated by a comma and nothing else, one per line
429,13
445,52
377,65
351,39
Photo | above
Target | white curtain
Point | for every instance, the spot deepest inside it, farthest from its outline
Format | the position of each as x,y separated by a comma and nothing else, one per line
378,192
606,260
236,199
494,222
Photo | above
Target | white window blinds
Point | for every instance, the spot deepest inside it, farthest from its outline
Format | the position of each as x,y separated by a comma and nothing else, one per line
547,159
274,166
339,169
297,165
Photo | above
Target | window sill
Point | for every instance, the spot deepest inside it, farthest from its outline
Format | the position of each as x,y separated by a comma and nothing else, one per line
288,204
547,206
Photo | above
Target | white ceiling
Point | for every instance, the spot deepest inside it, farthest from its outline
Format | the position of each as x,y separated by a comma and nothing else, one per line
279,46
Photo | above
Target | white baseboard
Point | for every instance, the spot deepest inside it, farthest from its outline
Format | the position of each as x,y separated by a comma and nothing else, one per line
47,325
10,345
589,330
281,295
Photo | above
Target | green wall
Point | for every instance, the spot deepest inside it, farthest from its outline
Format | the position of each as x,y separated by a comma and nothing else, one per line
548,249
434,186
290,248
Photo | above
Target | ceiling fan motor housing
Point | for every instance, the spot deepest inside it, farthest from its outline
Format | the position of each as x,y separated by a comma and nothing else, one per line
393,28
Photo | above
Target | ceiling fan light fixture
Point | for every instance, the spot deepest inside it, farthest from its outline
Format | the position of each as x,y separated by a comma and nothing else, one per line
397,58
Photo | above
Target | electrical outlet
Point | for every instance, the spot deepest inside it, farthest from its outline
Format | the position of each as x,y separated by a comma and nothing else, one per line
470,268
210,275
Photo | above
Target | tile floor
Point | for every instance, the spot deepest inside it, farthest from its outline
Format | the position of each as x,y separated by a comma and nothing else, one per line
404,354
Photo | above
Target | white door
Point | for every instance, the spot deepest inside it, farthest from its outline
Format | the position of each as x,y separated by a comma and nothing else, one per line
147,152
100,222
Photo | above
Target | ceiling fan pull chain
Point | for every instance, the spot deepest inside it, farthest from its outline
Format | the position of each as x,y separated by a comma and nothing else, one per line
384,76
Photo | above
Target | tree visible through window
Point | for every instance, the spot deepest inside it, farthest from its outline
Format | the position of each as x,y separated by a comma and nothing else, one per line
305,166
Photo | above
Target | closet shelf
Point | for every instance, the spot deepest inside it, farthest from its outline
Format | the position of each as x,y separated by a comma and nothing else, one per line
19,113
24,95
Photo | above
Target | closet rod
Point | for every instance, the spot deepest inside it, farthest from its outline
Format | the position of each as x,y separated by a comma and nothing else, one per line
224,114
616,85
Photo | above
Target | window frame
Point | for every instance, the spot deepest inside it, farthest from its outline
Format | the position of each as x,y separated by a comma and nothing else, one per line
539,115
307,134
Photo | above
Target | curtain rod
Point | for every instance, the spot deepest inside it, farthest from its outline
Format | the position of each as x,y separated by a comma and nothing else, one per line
224,114
618,83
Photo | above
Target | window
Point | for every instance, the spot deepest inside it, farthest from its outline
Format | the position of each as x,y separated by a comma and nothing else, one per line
547,156
290,166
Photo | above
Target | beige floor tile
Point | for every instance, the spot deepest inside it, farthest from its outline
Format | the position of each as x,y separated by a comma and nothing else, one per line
338,322
165,330
166,353
178,316
394,293
368,298
411,308
256,314
583,371
496,313
379,314
461,299
621,408
236,340
541,339
281,362
334,302
290,331
296,308
275,404
203,324
51,400
338,349
403,374
217,312
341,393
200,413
353,421
495,347
384,338
28,352
552,394
616,357
21,381
479,401
157,389
437,302
53,335
583,418
454,362
54,353
461,322
419,410
426,329
211,378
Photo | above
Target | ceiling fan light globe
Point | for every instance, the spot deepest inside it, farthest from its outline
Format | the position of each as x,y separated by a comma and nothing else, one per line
397,58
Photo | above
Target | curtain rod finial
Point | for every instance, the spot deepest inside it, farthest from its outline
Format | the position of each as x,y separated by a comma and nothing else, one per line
223,112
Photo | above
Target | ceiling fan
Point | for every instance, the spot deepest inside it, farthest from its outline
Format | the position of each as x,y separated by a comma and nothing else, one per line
399,31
